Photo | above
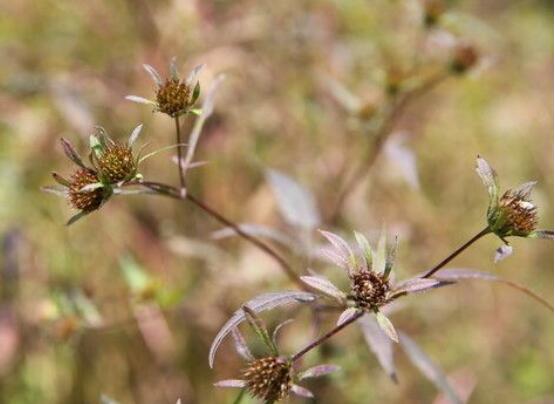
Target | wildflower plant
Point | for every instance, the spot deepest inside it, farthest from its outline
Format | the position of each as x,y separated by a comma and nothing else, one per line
272,377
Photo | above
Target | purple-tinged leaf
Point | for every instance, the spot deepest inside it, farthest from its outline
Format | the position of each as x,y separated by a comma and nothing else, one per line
524,190
456,274
380,344
488,177
173,68
380,255
547,234
240,345
134,135
296,204
317,371
231,383
502,252
192,78
139,100
330,254
153,73
259,304
61,180
463,382
415,285
343,250
365,248
71,153
346,315
323,285
386,326
55,190
428,368
301,391
278,329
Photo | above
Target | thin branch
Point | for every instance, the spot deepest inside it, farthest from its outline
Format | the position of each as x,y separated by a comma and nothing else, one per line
459,250
169,191
380,136
526,291
326,336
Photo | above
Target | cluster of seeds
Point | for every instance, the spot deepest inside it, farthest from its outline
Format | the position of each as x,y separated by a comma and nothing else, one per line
519,215
369,290
173,97
86,201
268,378
116,163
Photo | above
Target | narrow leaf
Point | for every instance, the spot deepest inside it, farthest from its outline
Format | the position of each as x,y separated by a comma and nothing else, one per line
139,100
343,249
301,391
240,345
317,371
61,180
76,217
134,135
278,329
91,187
365,248
296,204
380,344
456,274
192,78
346,315
415,285
524,190
381,254
391,257
323,285
231,383
173,68
428,368
260,328
71,153
55,190
259,304
488,176
153,73
386,326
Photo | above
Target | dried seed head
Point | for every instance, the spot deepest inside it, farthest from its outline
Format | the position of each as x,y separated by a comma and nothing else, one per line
465,56
433,9
517,215
116,163
269,378
173,97
86,201
369,290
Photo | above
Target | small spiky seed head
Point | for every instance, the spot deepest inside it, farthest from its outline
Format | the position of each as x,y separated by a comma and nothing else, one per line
86,201
465,56
174,96
117,163
369,290
269,378
517,215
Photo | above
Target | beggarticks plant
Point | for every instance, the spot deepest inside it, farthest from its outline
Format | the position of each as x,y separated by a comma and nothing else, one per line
273,377
112,164
370,276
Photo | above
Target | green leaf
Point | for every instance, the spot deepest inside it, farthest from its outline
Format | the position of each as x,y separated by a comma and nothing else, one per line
260,328
364,245
387,326
381,254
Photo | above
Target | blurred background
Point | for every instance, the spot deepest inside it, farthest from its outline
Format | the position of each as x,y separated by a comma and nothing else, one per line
124,304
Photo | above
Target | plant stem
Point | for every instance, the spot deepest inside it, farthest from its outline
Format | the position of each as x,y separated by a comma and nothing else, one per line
179,156
459,250
526,291
380,136
166,190
326,336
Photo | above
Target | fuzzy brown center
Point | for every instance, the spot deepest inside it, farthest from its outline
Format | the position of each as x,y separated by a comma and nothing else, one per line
117,163
173,96
268,378
87,201
520,214
369,290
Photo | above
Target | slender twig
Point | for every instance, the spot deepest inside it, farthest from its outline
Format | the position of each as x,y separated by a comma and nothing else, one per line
326,336
179,155
526,291
167,190
380,136
459,250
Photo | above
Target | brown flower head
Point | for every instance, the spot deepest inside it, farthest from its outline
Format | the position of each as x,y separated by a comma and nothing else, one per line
512,214
82,193
268,378
369,289
174,96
